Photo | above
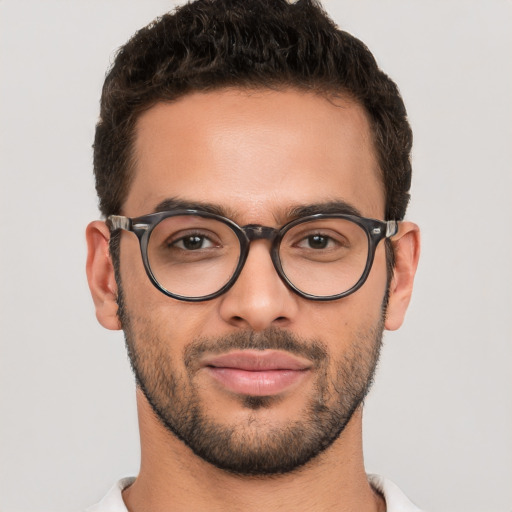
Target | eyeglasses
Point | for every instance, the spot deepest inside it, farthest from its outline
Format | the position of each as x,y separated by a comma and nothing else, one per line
193,255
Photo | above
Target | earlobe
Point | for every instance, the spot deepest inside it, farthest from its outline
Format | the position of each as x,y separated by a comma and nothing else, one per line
100,275
406,245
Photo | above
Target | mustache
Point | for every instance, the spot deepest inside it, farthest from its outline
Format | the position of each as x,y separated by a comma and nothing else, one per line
269,339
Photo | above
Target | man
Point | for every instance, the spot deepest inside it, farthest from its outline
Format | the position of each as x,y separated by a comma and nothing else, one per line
252,163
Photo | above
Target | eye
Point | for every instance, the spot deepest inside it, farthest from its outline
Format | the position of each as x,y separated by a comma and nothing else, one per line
193,242
316,241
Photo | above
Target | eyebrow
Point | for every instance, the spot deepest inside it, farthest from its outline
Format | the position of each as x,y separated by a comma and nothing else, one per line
173,203
294,212
338,206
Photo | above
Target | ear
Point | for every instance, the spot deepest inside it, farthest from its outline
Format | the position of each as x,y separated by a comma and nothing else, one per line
100,275
406,245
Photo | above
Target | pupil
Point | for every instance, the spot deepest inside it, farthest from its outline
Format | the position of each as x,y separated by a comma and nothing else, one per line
318,242
193,242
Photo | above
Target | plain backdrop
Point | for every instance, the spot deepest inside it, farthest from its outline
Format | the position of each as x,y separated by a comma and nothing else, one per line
439,419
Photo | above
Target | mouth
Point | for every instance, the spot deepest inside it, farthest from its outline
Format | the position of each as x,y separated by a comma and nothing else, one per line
256,372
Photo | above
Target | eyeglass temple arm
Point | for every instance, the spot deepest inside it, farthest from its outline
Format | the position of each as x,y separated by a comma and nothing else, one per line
119,222
391,228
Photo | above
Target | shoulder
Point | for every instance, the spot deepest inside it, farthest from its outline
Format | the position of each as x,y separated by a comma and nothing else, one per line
396,500
113,501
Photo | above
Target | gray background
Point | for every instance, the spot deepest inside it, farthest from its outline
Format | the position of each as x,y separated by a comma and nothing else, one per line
439,419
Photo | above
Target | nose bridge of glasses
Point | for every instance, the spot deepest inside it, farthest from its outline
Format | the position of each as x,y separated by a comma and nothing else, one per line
258,232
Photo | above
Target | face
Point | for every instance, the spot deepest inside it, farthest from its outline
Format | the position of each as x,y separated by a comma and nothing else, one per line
258,380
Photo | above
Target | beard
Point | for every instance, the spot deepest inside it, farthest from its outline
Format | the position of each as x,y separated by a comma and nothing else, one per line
254,446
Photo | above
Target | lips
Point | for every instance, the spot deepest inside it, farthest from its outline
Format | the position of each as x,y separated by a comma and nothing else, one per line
257,373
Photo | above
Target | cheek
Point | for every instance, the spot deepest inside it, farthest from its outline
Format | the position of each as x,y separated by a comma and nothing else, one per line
371,296
138,291
376,283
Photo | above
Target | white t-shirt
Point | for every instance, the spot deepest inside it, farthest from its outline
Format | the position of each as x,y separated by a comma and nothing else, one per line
396,500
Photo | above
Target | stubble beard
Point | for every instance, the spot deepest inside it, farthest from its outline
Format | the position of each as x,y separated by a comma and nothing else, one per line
254,447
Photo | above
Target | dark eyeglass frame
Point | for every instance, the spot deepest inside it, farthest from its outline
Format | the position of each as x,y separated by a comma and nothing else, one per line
376,230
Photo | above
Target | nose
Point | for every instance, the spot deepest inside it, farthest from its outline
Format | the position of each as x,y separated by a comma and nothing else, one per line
259,299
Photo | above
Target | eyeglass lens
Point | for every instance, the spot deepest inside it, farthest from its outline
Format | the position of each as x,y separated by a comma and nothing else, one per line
194,256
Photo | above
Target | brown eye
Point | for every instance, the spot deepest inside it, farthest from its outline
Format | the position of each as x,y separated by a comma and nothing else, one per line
317,241
193,243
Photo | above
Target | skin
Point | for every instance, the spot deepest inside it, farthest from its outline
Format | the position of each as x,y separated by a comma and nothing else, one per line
257,154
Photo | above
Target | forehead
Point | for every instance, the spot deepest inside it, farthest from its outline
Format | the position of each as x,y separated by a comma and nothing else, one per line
255,153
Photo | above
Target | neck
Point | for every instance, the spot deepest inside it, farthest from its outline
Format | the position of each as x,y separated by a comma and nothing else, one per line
173,478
